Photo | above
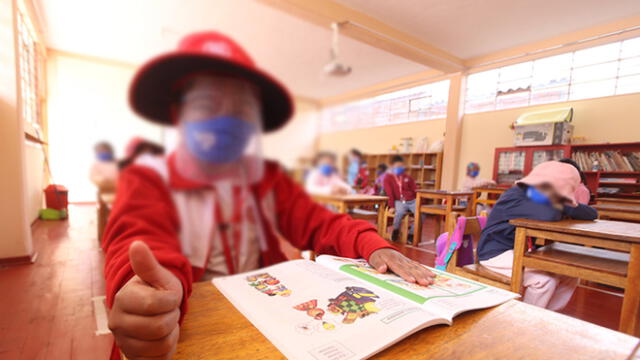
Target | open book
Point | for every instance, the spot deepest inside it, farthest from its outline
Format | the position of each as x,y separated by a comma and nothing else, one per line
339,308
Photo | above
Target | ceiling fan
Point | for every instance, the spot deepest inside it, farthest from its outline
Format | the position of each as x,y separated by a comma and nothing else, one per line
335,67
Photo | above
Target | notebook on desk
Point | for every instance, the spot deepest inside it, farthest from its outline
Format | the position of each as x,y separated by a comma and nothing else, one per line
339,308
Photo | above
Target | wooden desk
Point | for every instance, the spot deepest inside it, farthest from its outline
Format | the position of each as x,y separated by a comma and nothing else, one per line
439,203
618,201
491,191
105,202
629,212
612,235
214,329
343,203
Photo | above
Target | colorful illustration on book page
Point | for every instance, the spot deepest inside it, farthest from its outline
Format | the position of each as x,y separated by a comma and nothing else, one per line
445,284
268,285
350,305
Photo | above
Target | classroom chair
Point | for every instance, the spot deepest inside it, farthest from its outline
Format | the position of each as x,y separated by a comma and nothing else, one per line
404,227
473,271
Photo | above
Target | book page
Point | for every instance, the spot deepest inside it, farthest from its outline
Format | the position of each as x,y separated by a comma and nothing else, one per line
448,296
311,312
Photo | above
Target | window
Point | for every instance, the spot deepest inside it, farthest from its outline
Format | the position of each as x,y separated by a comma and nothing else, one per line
30,73
420,103
594,72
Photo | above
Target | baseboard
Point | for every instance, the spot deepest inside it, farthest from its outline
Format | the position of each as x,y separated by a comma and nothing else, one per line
19,260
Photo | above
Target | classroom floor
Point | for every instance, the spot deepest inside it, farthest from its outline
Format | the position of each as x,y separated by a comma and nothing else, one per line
46,310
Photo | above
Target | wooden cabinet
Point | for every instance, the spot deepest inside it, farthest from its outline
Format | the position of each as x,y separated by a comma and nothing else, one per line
615,177
513,163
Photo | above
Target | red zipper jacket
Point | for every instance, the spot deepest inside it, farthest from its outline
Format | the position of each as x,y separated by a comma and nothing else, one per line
405,191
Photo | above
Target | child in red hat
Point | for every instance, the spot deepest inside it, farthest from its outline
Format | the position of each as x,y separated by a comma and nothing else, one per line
213,206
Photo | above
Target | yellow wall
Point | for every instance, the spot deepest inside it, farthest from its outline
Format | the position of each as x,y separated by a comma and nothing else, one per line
608,119
15,238
381,139
297,139
35,180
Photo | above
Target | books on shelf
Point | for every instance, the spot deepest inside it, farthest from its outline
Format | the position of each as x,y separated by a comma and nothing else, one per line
619,180
339,308
607,160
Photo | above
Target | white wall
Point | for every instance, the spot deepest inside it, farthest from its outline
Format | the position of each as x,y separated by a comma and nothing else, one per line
88,103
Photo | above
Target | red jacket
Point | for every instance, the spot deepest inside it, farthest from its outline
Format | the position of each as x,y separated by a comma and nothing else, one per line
144,209
401,187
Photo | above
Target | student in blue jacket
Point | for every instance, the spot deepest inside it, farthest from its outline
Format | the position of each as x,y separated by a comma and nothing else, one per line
546,194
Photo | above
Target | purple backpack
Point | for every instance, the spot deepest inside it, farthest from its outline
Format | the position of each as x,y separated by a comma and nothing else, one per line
464,245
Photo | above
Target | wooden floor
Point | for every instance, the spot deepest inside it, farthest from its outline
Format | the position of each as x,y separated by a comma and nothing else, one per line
46,310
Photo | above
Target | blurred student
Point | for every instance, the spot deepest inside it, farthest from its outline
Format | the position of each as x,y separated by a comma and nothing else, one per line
583,194
381,172
353,168
546,194
138,147
104,171
324,179
214,206
400,187
472,180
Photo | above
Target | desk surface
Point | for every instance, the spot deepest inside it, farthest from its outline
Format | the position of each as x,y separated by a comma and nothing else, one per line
445,192
628,208
214,329
350,197
612,230
490,188
618,200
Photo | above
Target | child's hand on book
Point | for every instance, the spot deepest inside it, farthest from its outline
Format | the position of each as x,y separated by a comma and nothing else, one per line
388,259
145,312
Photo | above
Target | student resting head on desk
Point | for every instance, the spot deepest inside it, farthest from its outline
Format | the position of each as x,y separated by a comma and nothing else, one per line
213,206
546,194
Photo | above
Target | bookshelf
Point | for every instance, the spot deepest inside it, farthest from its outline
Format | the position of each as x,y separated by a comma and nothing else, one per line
617,177
613,180
425,168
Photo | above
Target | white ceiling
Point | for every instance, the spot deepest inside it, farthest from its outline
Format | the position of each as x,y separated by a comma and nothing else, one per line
470,28
293,50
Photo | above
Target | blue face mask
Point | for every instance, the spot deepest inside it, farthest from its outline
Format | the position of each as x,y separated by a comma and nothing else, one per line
104,156
537,197
218,140
325,169
398,170
474,173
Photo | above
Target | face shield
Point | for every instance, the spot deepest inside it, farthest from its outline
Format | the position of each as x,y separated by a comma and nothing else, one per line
219,131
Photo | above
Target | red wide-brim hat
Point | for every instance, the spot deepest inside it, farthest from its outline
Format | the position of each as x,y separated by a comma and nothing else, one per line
155,87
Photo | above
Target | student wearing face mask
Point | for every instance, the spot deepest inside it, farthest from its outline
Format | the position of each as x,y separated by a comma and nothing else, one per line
400,187
213,206
324,179
104,171
472,180
353,168
546,194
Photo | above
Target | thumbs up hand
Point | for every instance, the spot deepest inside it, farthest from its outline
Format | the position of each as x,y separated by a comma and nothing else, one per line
145,312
